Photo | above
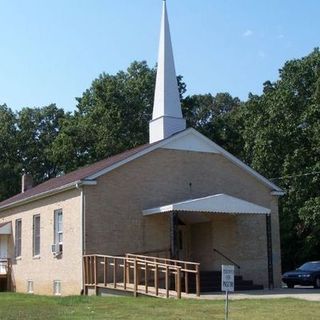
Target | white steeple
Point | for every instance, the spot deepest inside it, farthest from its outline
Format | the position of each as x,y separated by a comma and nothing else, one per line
167,116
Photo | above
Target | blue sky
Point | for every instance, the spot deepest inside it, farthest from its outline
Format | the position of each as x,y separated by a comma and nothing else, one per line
50,51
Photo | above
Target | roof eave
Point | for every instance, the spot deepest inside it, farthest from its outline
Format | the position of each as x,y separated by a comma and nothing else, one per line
274,188
242,165
139,154
278,193
69,186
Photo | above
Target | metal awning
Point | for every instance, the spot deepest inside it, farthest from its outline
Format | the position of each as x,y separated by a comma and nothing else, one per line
5,228
218,203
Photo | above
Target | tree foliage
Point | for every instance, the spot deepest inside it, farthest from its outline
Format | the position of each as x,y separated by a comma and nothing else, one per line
37,129
277,133
215,117
9,161
112,116
26,140
281,130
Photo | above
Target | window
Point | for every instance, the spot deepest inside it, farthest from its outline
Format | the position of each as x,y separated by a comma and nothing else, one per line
30,286
18,238
58,230
57,287
36,235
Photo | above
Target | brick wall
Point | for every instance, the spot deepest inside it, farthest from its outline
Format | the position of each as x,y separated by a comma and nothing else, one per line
44,269
115,225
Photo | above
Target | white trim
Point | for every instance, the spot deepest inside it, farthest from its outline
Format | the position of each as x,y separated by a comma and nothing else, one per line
192,142
81,234
40,195
139,154
177,136
88,182
6,229
277,193
239,163
48,193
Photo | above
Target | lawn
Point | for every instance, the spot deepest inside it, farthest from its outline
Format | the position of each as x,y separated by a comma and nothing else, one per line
19,306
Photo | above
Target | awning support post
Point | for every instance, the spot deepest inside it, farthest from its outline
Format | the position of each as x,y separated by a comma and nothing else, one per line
174,234
269,251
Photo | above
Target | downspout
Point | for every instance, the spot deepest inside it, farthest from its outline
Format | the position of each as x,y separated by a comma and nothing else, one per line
82,230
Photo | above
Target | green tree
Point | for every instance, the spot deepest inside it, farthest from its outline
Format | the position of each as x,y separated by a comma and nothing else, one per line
281,140
112,116
9,161
37,128
216,117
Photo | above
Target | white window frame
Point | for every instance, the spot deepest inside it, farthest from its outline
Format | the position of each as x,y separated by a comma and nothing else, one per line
18,238
36,236
57,287
58,229
29,286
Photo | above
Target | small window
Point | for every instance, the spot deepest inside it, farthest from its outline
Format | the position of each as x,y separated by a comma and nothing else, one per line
57,287
30,286
18,228
36,235
58,229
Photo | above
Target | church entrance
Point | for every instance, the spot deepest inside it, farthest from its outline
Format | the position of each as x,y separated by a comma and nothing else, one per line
3,246
3,262
183,243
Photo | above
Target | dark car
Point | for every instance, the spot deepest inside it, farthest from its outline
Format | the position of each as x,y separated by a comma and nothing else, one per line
306,275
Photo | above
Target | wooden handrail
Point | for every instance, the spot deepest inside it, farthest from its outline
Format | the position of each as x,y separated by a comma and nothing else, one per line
163,259
6,266
142,262
108,269
224,256
186,267
148,253
6,262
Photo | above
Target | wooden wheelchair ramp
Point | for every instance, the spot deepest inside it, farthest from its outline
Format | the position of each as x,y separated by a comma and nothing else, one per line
140,275
5,274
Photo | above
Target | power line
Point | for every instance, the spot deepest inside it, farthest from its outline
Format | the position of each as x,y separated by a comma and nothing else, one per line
296,176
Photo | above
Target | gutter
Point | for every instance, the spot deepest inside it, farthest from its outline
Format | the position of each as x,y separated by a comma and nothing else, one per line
277,193
48,193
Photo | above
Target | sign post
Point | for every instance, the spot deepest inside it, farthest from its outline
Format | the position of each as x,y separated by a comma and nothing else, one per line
227,285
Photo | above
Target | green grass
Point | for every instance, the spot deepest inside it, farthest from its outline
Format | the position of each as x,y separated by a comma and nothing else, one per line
18,306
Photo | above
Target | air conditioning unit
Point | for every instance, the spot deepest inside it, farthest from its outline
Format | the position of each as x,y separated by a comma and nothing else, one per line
56,249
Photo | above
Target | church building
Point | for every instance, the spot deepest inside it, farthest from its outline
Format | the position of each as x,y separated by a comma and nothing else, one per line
180,196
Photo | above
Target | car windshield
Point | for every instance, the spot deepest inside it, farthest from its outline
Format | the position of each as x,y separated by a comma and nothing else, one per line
310,266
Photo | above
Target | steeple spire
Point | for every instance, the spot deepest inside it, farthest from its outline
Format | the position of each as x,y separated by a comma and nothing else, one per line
167,116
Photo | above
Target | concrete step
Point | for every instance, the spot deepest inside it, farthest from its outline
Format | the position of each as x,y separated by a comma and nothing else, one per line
210,281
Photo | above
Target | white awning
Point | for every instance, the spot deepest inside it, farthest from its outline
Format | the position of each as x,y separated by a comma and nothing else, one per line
218,203
5,228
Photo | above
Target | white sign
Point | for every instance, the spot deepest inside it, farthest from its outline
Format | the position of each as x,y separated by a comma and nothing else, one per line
227,278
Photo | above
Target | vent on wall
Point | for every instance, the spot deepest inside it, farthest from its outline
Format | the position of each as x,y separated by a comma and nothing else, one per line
57,287
30,286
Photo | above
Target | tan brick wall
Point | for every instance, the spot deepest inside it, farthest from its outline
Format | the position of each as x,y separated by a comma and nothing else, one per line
45,269
115,225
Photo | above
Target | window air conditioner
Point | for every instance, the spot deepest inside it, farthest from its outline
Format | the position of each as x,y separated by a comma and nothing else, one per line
56,249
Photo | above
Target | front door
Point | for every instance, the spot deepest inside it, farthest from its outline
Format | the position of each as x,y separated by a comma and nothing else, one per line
3,246
3,253
183,241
